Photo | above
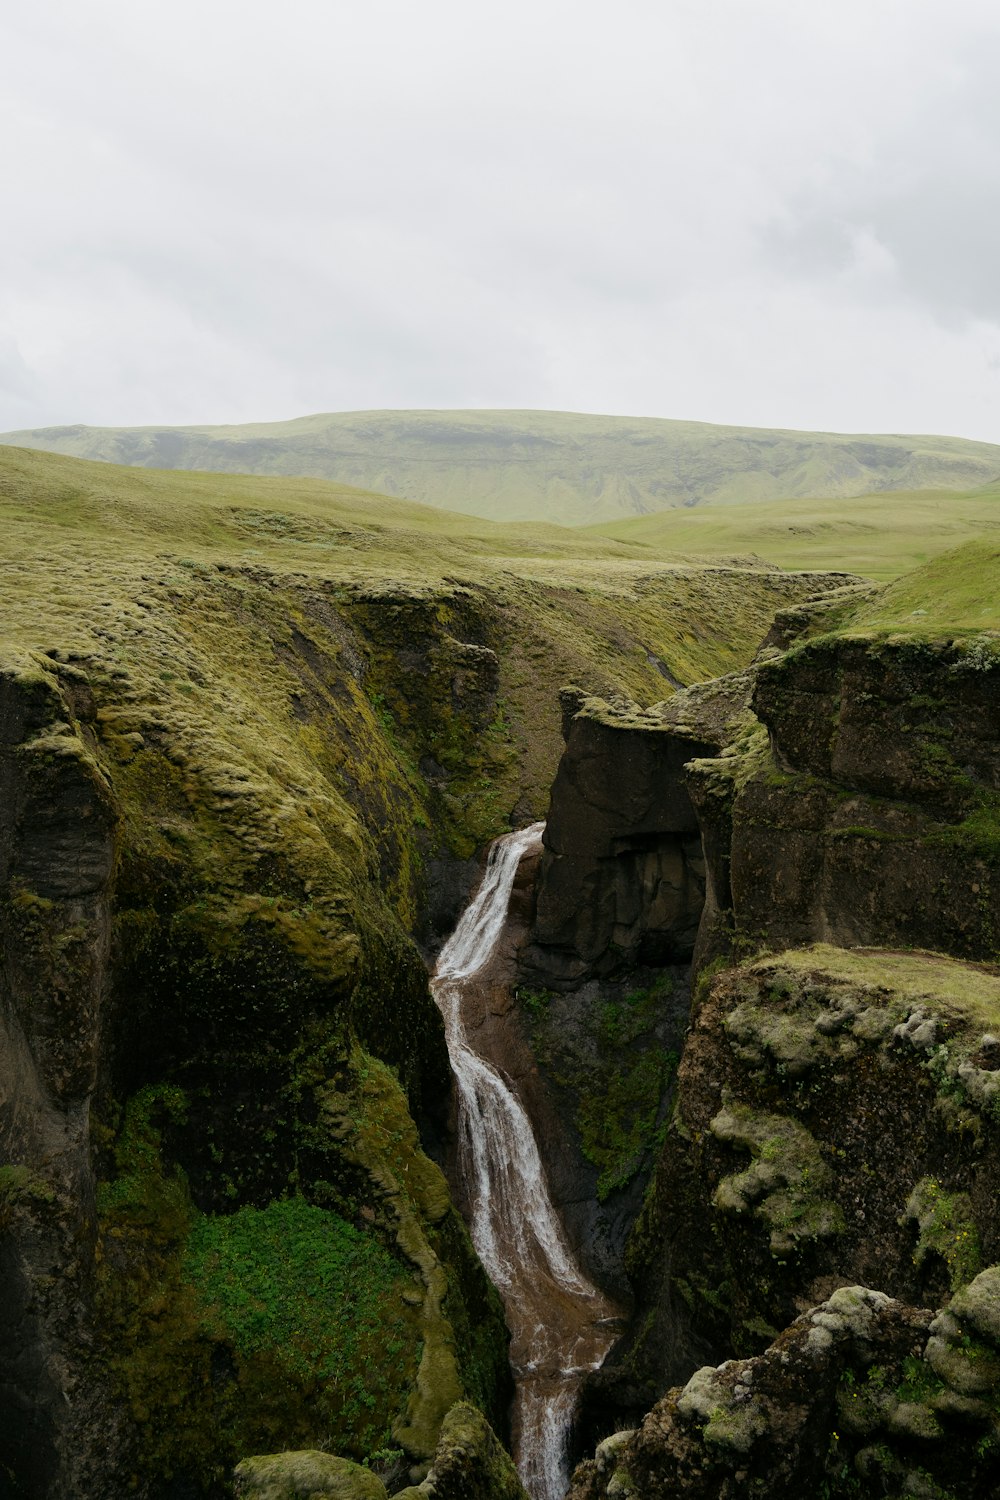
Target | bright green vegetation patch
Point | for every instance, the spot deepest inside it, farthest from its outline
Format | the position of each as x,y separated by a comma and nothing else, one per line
979,831
953,594
298,1286
227,1334
946,1228
619,1124
969,992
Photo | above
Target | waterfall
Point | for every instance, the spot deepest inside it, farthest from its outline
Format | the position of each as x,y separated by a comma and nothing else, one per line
559,1322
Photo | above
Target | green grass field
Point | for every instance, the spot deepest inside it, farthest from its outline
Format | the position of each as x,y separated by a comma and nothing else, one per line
957,593
879,536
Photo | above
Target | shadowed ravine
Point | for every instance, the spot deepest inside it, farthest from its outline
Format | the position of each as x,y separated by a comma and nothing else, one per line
561,1325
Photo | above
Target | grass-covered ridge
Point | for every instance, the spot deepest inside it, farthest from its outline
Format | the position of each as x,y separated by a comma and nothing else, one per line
259,624
568,467
954,595
969,993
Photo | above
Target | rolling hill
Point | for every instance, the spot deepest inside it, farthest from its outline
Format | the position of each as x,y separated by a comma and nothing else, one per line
563,467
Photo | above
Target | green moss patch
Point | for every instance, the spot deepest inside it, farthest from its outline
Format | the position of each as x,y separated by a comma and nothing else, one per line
946,1228
966,990
608,1056
786,1183
298,1287
229,1334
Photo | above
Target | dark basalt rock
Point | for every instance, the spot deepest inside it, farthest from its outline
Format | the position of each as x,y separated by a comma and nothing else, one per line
622,879
57,852
911,721
870,816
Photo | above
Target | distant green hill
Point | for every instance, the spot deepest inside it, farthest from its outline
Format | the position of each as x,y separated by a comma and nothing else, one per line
562,467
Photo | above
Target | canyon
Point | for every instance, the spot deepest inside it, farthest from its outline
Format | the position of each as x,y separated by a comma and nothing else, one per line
745,993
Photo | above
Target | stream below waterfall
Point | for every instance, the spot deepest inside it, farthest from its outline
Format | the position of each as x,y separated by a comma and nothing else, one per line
561,1325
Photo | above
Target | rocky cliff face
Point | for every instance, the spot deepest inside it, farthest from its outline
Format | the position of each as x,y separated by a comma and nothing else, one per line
834,1122
57,854
869,814
622,878
191,1103
235,800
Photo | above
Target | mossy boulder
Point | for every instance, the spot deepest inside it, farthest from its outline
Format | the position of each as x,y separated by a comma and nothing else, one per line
308,1475
851,1399
470,1464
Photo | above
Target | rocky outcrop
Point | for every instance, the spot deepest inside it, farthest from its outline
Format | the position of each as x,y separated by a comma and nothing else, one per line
836,1113
183,1083
861,1395
835,1119
833,1123
869,814
306,1475
637,853
622,879
470,1464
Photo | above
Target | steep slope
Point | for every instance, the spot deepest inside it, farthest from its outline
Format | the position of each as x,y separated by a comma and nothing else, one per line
565,467
252,734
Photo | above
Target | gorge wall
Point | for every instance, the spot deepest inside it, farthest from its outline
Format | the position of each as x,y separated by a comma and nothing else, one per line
812,1264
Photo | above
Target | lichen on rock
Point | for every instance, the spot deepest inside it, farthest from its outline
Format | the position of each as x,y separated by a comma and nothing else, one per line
786,1182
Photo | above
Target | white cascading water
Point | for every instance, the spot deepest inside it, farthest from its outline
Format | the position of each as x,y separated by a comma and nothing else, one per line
560,1323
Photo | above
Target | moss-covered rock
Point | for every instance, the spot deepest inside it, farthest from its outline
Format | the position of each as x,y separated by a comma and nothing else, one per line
305,1476
786,1181
470,1464
852,1399
840,1073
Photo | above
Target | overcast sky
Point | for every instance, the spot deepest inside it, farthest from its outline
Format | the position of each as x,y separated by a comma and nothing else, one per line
771,212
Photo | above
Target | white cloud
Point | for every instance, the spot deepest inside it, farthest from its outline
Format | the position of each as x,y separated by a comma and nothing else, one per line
737,210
